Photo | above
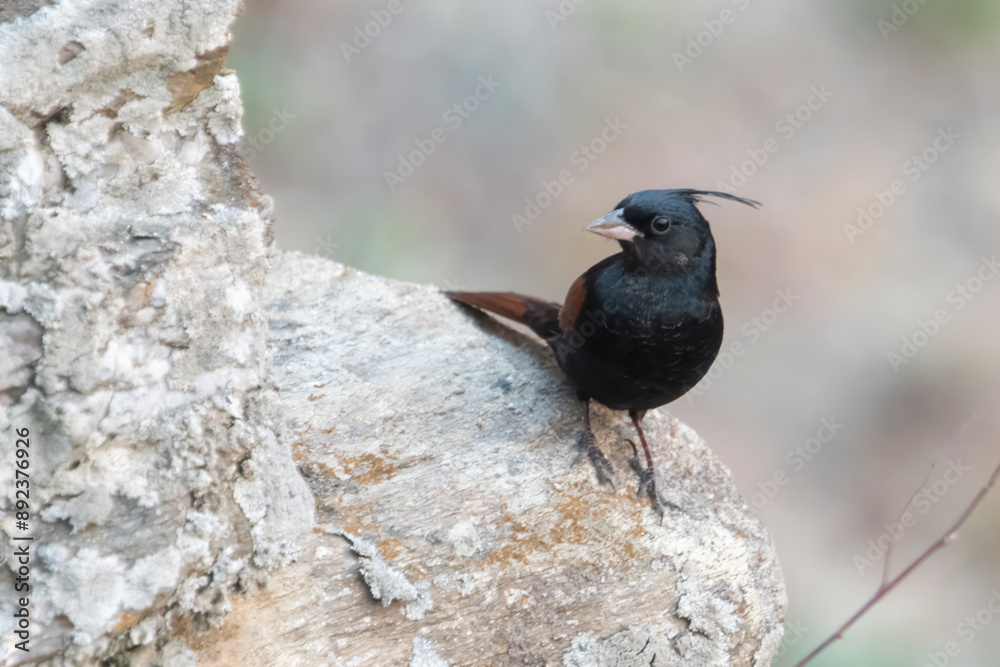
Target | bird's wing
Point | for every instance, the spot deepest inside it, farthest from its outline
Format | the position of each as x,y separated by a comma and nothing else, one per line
576,297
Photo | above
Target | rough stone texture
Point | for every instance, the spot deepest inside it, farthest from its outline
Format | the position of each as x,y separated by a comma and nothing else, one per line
133,250
454,524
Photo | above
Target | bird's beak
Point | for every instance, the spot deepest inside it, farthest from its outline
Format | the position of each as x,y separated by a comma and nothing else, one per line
613,226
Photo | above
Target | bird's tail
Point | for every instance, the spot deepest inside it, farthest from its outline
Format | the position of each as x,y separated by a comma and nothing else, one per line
541,316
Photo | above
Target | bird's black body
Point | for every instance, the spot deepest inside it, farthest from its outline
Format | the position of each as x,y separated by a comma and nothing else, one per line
642,339
640,328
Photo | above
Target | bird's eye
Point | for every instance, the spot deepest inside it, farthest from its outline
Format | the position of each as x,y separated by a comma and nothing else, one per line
661,225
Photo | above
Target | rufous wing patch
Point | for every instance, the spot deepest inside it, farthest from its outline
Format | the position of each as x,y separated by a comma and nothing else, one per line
575,297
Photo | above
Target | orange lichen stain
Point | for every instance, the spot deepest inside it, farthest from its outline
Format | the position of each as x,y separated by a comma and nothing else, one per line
517,527
356,519
584,514
328,431
390,548
368,468
581,517
578,512
300,452
127,620
314,397
519,544
507,554
571,531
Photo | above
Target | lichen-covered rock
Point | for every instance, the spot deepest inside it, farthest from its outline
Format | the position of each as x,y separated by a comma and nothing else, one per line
133,249
455,522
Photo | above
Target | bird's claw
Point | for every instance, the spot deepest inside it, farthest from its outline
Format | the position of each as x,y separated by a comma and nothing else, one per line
602,467
647,486
633,462
647,481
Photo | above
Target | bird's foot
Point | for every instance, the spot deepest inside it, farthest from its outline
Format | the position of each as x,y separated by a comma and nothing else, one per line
633,462
647,482
605,473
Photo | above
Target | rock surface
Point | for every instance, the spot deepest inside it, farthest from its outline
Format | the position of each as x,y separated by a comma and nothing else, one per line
454,523
133,249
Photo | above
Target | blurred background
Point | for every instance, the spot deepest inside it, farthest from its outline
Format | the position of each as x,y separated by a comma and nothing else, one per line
425,140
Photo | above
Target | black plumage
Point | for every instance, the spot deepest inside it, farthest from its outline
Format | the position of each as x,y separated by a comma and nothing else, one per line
642,327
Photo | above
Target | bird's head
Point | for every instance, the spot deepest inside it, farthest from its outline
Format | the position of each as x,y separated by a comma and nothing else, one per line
663,231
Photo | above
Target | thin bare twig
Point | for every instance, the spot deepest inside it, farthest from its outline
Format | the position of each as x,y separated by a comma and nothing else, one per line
962,428
899,522
885,588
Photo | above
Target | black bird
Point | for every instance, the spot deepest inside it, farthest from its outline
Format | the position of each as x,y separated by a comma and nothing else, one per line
640,328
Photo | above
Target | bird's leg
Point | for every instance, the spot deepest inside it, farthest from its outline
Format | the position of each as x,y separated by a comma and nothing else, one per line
588,441
647,476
